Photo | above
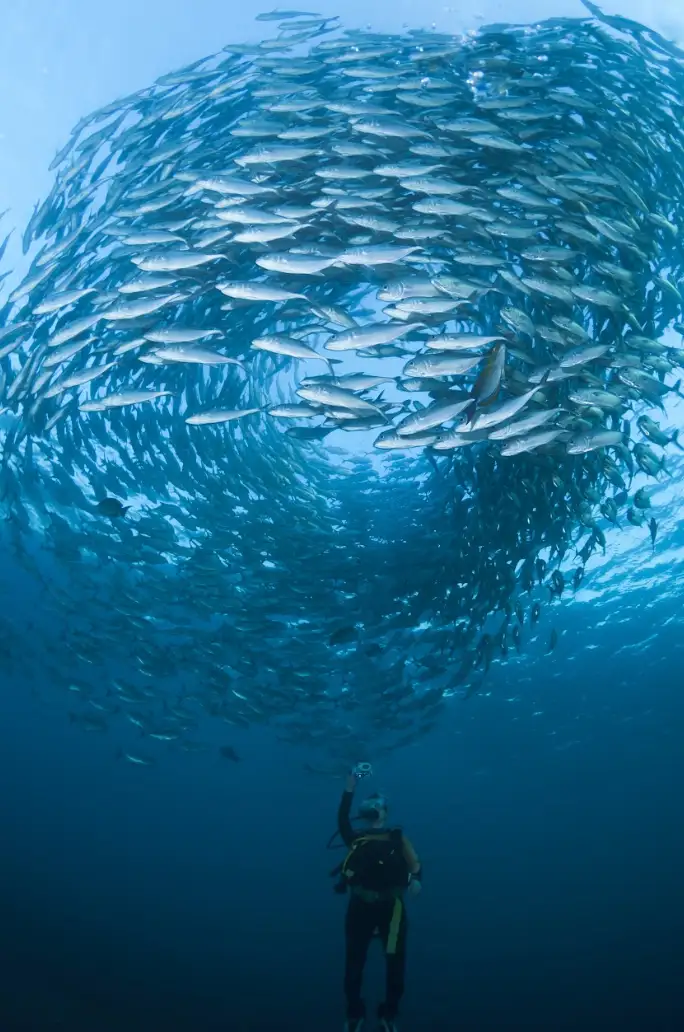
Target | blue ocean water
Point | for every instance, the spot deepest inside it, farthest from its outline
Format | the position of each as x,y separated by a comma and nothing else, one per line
198,897
194,894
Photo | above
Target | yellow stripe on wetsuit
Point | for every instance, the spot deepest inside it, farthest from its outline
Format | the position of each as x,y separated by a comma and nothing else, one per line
395,925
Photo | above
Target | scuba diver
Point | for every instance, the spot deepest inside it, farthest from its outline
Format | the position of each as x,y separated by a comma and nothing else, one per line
380,867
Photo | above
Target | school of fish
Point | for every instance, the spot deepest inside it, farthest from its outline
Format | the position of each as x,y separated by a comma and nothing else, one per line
335,358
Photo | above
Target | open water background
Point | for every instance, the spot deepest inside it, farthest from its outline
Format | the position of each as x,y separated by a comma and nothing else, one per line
194,895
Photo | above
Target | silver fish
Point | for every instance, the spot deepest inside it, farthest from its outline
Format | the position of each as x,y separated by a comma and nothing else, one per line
173,261
78,379
430,417
279,345
367,337
593,440
441,365
257,292
294,264
530,442
121,400
504,410
326,394
219,416
461,341
194,355
522,426
391,441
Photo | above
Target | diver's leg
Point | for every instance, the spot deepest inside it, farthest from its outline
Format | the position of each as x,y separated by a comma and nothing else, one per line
359,925
394,937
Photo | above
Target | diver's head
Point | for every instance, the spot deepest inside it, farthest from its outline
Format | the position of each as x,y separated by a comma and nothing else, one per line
374,810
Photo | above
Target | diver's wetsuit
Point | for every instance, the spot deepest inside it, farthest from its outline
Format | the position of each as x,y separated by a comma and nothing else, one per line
366,918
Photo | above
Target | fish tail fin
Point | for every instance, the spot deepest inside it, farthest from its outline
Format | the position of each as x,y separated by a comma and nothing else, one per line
470,411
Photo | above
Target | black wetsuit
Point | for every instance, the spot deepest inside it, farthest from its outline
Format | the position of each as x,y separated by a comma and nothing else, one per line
364,920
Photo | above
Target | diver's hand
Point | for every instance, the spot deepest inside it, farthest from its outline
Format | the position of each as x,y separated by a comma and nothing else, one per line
414,887
350,783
